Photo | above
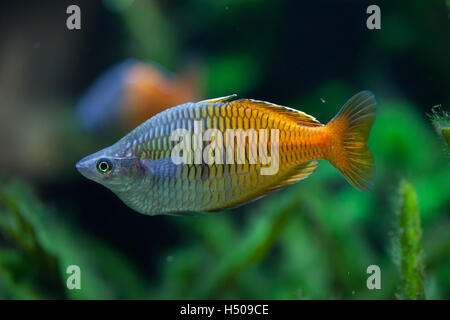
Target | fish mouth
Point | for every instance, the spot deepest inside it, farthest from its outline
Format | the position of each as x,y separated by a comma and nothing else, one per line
79,165
84,167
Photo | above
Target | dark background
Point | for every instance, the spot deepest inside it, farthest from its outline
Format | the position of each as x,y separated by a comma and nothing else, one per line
308,55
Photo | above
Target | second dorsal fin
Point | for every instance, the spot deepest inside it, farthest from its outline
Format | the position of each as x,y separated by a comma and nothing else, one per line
299,117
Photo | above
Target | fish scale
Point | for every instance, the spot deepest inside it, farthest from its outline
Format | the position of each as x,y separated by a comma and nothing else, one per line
241,179
146,178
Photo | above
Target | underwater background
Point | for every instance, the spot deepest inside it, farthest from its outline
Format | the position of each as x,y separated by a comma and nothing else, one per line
312,240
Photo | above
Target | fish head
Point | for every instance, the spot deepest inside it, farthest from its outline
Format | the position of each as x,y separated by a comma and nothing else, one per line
116,172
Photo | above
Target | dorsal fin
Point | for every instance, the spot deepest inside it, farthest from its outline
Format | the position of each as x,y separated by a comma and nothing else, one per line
221,99
299,117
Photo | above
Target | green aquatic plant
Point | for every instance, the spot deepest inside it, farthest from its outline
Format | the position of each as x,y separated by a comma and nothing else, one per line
39,242
441,122
23,248
411,260
253,247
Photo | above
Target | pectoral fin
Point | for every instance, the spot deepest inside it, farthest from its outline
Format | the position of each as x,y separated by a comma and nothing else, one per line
164,168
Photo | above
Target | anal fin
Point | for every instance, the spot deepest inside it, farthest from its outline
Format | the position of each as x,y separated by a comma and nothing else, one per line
299,172
186,213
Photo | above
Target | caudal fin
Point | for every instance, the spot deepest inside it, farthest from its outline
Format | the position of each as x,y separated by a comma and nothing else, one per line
349,130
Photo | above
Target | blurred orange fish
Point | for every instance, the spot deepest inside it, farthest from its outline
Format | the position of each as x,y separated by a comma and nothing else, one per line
132,91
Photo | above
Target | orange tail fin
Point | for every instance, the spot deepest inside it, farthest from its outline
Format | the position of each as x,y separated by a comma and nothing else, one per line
349,130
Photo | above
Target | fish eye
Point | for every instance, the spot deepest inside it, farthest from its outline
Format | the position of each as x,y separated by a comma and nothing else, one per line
104,166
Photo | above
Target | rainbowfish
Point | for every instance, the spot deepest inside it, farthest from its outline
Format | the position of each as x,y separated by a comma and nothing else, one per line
154,171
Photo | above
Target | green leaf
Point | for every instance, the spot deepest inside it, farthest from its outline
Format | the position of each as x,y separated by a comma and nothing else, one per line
410,237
